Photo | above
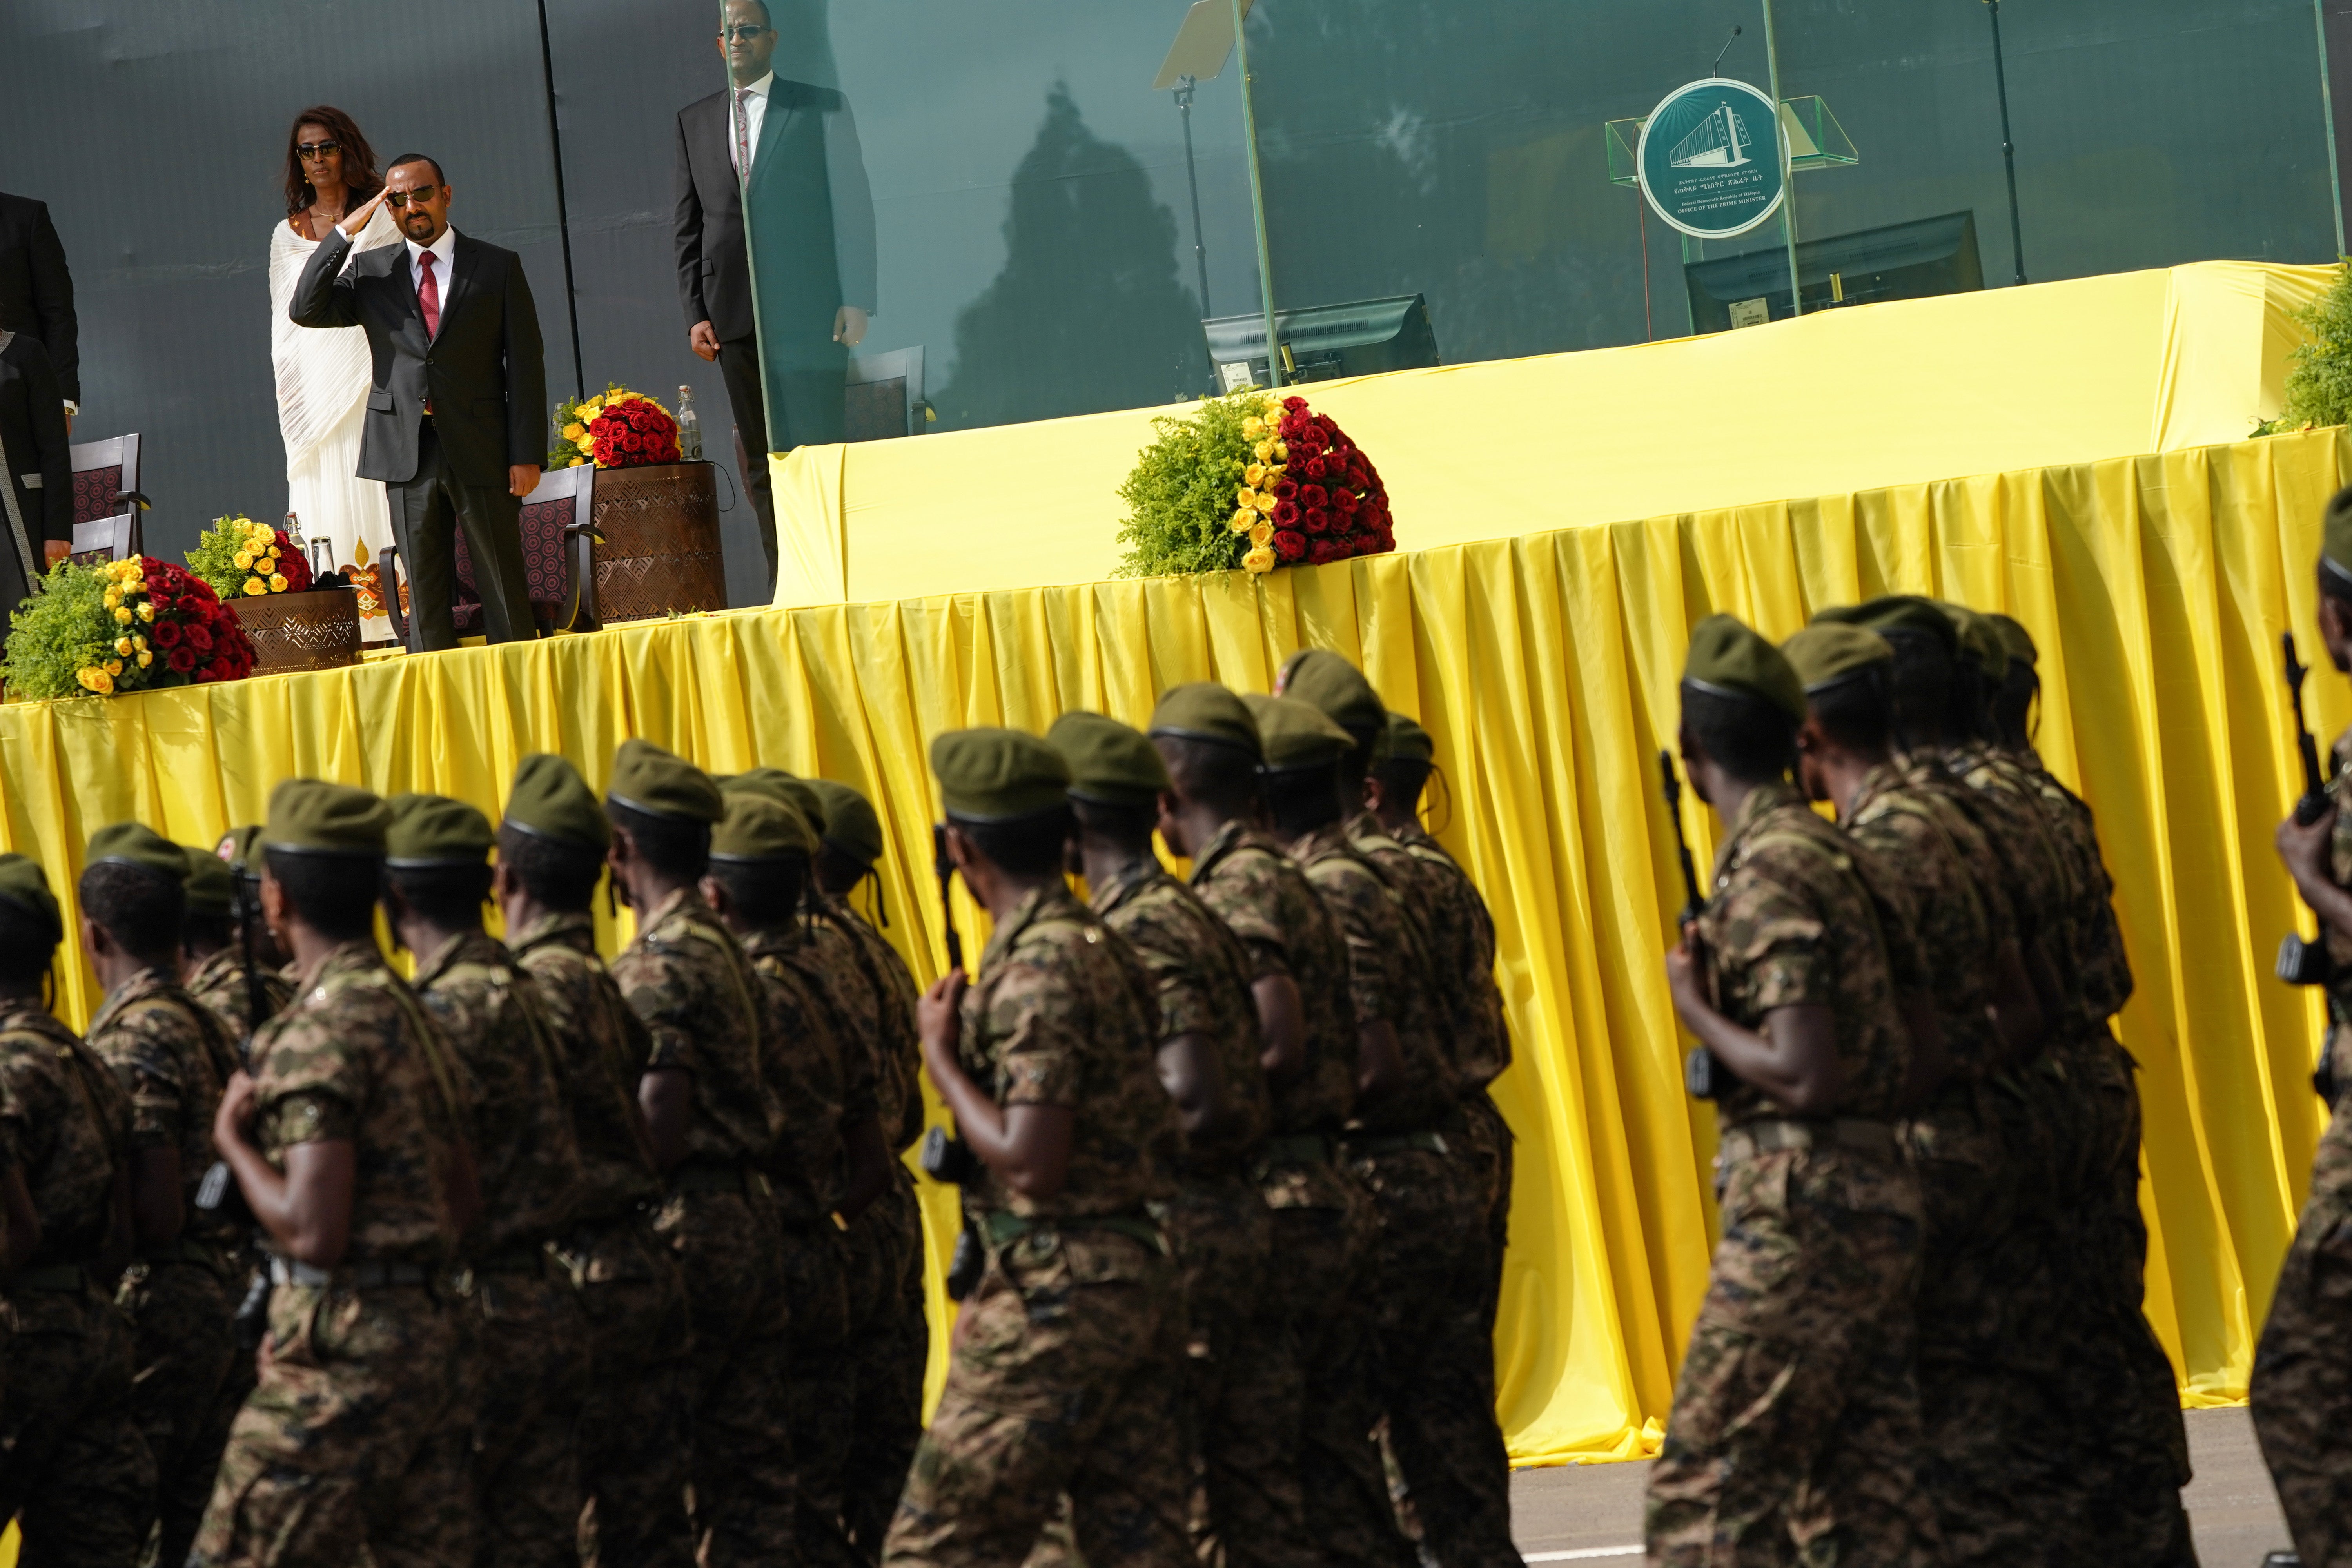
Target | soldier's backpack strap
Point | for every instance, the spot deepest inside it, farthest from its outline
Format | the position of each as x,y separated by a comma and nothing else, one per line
435,1050
216,1048
1912,806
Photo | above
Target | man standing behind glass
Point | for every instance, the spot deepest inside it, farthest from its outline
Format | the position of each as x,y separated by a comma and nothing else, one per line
813,229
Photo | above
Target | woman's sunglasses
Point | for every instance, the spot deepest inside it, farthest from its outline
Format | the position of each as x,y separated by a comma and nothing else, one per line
313,151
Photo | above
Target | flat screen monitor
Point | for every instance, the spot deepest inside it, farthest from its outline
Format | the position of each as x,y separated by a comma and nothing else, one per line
1323,342
1902,261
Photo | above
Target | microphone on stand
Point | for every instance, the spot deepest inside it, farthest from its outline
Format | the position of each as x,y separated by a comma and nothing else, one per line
1717,68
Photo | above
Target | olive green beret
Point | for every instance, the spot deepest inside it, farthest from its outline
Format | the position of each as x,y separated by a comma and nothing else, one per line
312,817
433,830
1298,735
778,784
1324,680
1895,614
646,778
1828,651
850,824
761,826
1730,660
2335,536
998,775
240,850
1204,711
1408,742
2015,637
548,799
1111,763
211,885
1980,639
23,884
138,844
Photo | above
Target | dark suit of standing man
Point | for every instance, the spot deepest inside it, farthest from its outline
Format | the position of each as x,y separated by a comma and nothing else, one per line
457,418
812,236
37,292
35,466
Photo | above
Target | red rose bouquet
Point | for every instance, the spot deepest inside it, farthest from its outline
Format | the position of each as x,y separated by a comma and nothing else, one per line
1328,501
617,429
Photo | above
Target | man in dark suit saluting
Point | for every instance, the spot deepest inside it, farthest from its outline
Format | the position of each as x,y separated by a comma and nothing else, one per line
811,240
455,420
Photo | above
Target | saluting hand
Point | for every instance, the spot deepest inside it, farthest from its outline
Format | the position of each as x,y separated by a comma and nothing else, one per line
358,220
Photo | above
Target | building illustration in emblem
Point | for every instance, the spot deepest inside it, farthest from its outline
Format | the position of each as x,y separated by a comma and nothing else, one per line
1720,142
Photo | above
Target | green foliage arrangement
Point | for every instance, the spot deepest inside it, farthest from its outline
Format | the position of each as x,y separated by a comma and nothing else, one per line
2320,383
58,632
1180,497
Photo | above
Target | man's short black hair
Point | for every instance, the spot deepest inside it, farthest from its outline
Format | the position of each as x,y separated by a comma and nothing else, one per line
1302,800
139,909
450,897
1855,712
1224,778
837,870
1919,687
439,177
1027,846
1750,738
2334,585
1401,780
207,932
1128,827
762,894
335,895
557,873
676,849
2012,705
27,942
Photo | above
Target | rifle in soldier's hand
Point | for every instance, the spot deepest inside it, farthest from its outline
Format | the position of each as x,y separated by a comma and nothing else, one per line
1702,1074
2301,961
947,1157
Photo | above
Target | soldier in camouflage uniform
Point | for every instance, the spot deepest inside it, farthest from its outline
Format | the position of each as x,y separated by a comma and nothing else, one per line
74,1471
1322,1218
890,1322
1795,1426
1065,1375
1243,1376
828,1155
349,1142
173,1059
1434,1357
212,947
636,1425
2302,1384
708,1111
529,1373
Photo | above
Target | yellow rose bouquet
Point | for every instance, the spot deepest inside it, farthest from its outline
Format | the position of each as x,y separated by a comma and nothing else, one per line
243,559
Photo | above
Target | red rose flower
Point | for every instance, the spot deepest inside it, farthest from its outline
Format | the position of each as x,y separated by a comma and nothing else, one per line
1294,404
181,660
1325,424
200,637
164,634
1312,496
1285,514
1290,545
1286,490
1346,501
1313,467
1320,553
219,669
1316,520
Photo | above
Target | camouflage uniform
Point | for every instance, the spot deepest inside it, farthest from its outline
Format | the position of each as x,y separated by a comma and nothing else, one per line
219,983
1796,1417
73,1468
688,979
1435,1359
1243,1372
634,1425
890,1327
530,1335
349,1446
1322,1217
1064,1375
172,1058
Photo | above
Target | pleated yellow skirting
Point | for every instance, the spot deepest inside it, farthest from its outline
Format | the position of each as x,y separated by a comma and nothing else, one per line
1545,666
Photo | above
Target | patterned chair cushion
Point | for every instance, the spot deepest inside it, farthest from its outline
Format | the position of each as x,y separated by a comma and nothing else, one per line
546,573
94,490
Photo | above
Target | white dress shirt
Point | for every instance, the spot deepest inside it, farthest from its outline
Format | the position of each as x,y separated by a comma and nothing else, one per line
754,113
443,249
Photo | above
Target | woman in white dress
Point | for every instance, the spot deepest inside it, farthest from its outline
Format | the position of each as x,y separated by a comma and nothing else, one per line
323,374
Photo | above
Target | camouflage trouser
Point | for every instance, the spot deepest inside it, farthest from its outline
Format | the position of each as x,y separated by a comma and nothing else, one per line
530,1383
239,1384
821,1392
1321,1278
1796,1418
73,1468
1435,1364
1486,1146
347,1449
183,1347
1064,1378
2302,1388
891,1342
1243,1377
636,1425
726,1247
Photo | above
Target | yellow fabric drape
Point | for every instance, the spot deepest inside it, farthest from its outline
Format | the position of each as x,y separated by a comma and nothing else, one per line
1546,667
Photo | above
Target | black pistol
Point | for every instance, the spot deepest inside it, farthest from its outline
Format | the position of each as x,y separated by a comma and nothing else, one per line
2302,963
947,1158
1702,1075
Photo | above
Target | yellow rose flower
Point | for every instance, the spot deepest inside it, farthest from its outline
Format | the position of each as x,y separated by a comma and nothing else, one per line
1262,534
1264,451
146,612
139,643
1246,497
114,667
255,588
1282,451
1259,560
1252,428
1254,473
245,559
1240,521
1265,501
96,679
113,597
277,582
575,434
122,647
121,615
145,660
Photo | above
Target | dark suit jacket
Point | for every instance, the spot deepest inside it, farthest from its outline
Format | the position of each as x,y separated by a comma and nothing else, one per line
714,273
482,372
33,432
35,289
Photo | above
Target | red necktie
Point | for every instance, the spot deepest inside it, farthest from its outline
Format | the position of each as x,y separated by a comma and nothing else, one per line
428,295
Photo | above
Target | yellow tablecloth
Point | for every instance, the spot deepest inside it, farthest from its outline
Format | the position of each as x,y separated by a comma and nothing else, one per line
1546,667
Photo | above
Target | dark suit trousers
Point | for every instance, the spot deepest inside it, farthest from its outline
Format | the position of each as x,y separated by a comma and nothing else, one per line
426,512
739,362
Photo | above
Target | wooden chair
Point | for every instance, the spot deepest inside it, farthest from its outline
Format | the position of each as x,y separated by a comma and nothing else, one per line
884,397
105,491
112,538
559,559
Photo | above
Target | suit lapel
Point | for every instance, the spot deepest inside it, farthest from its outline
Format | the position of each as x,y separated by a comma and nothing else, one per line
462,261
779,111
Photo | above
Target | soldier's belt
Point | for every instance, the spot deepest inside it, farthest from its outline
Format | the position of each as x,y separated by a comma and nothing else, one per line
1297,1149
1749,1139
1001,1229
352,1276
713,1176
50,1276
1372,1145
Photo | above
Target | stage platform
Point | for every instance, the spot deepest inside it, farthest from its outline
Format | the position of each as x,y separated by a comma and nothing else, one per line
1545,666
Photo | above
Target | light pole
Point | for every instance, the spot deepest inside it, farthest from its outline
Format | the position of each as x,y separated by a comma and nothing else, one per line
2009,149
1788,175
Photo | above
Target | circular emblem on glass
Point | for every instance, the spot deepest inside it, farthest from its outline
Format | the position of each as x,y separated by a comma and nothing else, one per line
1711,159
